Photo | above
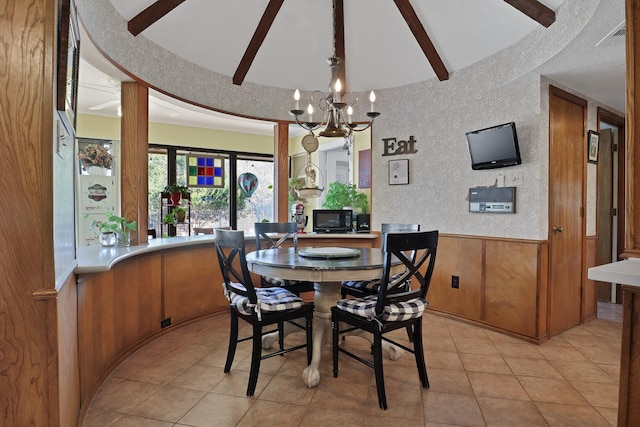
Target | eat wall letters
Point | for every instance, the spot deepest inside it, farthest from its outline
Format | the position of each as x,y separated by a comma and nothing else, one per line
393,147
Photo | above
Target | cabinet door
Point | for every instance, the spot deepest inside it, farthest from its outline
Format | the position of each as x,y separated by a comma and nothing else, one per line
511,285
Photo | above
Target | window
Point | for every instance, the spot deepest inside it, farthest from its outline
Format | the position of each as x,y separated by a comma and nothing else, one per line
211,207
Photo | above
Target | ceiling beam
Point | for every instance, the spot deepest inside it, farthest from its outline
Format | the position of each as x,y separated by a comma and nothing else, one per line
256,41
535,10
338,42
412,20
150,15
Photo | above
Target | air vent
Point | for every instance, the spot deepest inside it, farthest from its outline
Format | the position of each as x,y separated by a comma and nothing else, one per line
619,31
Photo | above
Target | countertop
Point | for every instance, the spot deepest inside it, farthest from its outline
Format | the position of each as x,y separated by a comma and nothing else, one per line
626,272
97,259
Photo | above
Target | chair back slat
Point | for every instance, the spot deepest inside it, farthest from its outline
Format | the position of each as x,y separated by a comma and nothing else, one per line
288,230
415,250
231,253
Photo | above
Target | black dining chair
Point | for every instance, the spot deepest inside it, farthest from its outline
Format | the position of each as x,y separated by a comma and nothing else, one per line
389,310
272,235
362,288
258,306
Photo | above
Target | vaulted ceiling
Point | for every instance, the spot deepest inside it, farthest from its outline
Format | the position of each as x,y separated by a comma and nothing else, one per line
384,43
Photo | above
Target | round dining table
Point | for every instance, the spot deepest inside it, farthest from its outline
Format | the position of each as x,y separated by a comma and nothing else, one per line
327,268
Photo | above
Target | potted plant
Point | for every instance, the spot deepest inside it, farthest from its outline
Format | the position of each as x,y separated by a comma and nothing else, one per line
169,219
175,192
114,229
180,214
345,195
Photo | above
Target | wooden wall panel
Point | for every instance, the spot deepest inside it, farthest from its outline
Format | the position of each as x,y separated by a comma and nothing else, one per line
192,284
511,285
28,381
629,394
67,350
460,257
116,310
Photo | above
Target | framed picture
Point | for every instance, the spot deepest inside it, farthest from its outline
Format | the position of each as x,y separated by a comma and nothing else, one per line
68,61
592,146
398,172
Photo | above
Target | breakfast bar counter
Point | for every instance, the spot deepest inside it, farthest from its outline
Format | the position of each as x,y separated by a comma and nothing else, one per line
129,296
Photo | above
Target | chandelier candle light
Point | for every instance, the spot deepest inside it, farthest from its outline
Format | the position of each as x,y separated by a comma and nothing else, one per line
333,105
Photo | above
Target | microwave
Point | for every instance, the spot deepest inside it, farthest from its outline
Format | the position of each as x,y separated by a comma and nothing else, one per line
332,220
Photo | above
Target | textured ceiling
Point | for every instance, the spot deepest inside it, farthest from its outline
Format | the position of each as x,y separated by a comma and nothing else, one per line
380,50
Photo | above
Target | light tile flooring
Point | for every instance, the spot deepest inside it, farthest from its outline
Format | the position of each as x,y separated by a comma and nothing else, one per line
478,378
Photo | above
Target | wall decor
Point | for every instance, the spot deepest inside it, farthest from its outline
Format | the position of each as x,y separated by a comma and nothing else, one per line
205,170
393,147
364,168
593,141
398,172
68,64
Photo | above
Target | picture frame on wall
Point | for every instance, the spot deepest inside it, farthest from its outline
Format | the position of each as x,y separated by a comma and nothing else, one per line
593,142
399,172
68,64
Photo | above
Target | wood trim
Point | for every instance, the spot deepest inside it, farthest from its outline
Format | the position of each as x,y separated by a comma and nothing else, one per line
339,43
425,43
281,171
535,10
259,35
629,392
613,119
632,157
150,15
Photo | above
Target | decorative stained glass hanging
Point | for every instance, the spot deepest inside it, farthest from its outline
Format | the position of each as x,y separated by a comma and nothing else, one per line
248,183
205,171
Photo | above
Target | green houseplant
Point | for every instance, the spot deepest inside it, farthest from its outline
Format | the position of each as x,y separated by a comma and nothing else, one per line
345,195
176,192
180,214
116,225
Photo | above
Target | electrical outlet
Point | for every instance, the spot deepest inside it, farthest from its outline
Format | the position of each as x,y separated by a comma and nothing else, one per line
165,322
455,282
516,179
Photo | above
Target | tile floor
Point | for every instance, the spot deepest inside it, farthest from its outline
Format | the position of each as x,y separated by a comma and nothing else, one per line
478,378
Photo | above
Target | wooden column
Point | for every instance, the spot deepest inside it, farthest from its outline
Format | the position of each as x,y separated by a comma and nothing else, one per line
134,146
629,394
632,195
281,170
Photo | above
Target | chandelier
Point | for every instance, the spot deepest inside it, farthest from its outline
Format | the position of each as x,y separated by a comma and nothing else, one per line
333,106
336,107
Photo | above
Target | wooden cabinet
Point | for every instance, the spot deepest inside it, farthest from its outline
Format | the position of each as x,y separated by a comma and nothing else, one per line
502,283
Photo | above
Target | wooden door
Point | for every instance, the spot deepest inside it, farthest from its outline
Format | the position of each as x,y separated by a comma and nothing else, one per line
567,158
605,207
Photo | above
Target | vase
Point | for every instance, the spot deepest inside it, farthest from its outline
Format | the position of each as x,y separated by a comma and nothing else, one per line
96,170
175,198
108,238
124,239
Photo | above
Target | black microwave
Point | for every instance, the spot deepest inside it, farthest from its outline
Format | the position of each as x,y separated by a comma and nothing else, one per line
332,220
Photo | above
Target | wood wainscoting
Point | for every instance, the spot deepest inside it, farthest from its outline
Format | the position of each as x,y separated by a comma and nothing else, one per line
503,283
123,308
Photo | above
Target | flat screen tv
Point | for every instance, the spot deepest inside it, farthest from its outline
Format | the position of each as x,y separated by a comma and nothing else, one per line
494,147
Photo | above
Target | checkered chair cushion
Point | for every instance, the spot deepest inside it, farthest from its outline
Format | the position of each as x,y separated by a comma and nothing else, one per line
371,286
269,300
283,283
366,307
